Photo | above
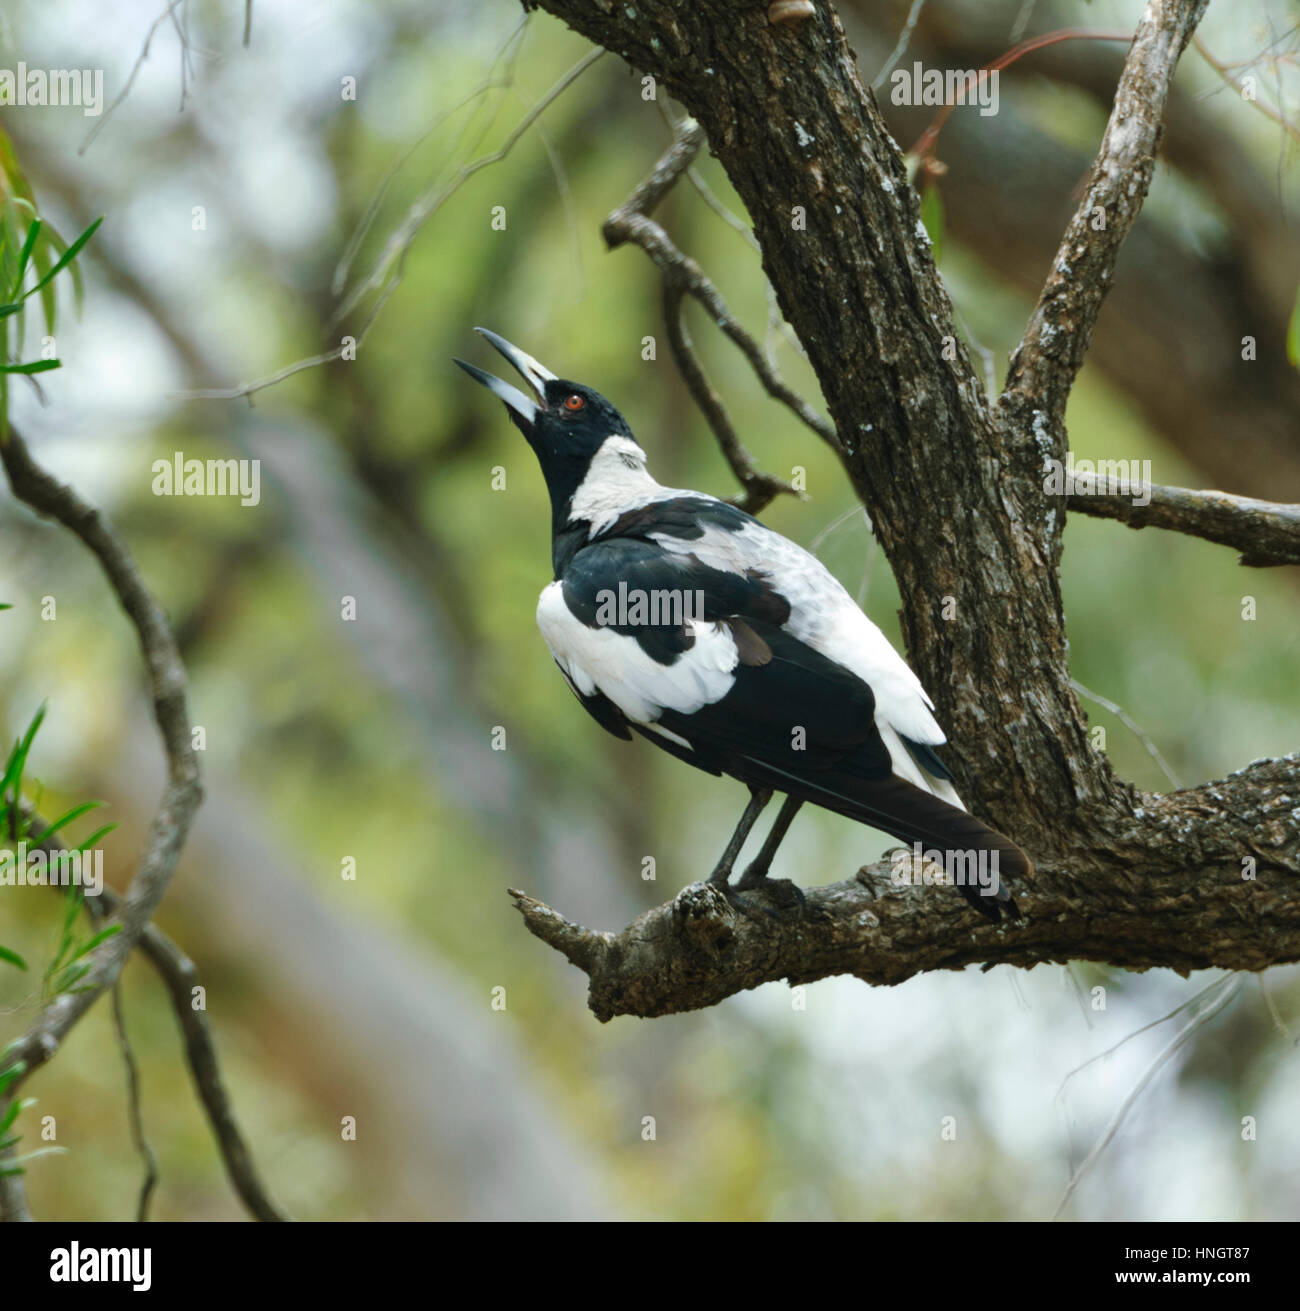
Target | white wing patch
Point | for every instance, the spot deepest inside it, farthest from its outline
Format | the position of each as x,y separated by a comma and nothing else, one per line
826,617
602,660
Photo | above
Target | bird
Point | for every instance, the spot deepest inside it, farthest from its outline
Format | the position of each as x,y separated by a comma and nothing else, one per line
676,616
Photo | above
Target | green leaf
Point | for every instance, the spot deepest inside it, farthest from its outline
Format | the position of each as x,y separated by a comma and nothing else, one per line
13,958
33,231
7,1119
10,1073
64,820
89,842
33,366
932,217
18,757
70,977
67,257
102,936
1293,334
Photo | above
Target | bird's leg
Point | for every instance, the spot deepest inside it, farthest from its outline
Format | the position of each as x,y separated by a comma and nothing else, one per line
756,874
758,798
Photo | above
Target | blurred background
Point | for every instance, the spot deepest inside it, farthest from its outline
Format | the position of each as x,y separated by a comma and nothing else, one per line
372,739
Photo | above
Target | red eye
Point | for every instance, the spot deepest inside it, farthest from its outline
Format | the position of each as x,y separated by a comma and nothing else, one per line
574,402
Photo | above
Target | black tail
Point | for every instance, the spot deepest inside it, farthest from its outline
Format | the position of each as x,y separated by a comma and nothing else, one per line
911,814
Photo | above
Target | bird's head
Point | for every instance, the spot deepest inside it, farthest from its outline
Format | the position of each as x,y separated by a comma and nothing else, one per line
567,423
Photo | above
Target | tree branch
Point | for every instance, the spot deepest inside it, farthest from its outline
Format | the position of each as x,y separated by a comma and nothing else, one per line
703,946
1044,365
1265,532
183,792
180,977
683,277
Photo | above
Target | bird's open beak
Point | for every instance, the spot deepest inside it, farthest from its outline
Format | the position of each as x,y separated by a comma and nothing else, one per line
533,373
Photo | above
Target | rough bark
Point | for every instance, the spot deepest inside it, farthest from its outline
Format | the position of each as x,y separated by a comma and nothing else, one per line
954,486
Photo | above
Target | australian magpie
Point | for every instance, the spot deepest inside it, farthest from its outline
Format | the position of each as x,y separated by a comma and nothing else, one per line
679,617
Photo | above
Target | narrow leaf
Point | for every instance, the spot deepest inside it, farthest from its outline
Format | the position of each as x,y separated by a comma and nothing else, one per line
64,820
102,936
68,256
32,366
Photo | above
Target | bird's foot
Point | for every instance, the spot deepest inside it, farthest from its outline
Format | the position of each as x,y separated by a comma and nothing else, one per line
784,892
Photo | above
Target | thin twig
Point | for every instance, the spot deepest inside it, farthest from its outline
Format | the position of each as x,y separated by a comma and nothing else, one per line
904,39
249,389
923,146
134,1112
507,53
428,204
180,977
1224,71
761,489
1274,1014
387,273
1161,1060
631,222
130,81
1021,20
1210,988
776,324
1133,727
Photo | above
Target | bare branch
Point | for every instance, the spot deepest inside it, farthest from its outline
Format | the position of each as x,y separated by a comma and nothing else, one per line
428,204
1044,365
761,489
630,222
705,945
183,792
1231,987
1225,72
180,977
1133,727
168,13
134,1110
900,48
1265,532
